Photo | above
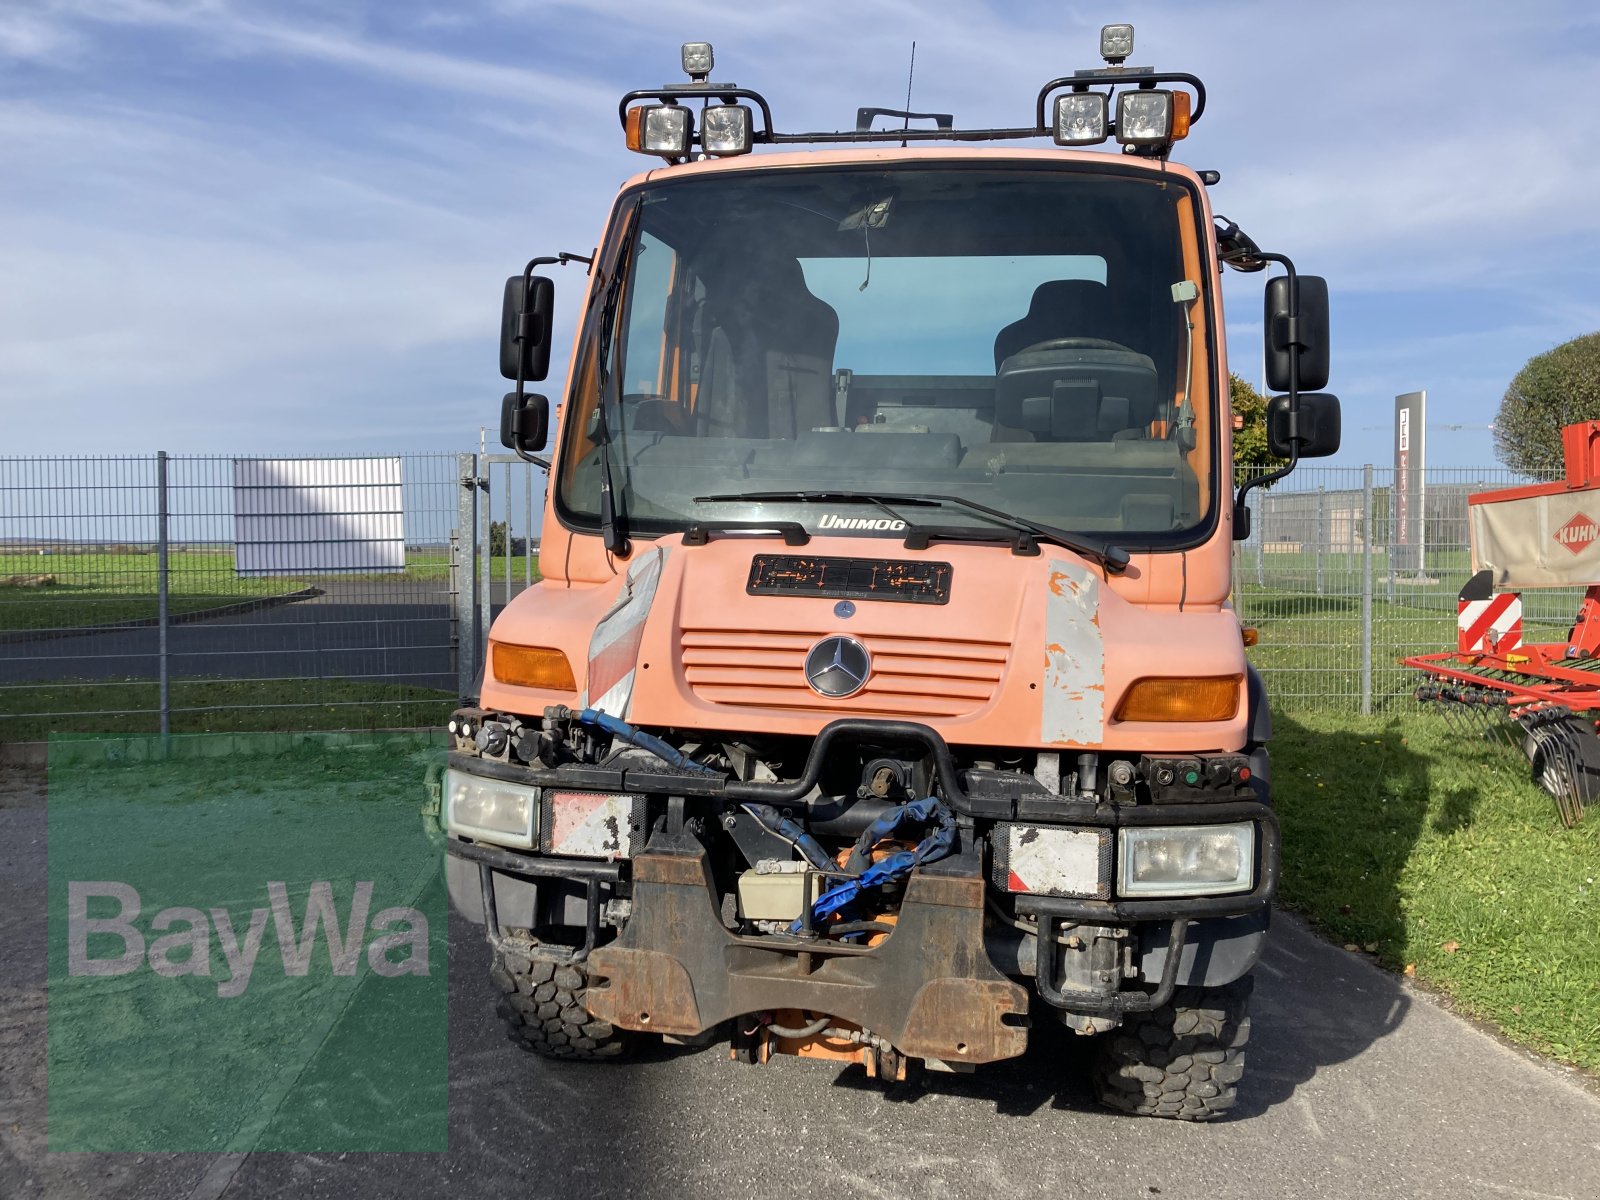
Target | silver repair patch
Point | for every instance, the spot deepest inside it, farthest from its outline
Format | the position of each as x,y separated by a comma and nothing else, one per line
614,646
1073,706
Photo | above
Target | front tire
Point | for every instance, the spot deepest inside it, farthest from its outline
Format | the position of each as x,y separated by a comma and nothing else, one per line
1182,1061
542,1007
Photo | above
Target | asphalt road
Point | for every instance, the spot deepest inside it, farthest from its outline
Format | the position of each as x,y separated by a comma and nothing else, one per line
1358,1086
398,631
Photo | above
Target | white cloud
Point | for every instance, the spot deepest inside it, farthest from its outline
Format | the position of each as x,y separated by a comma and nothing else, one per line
179,240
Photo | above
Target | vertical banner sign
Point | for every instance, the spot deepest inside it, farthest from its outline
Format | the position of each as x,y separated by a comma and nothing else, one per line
1410,460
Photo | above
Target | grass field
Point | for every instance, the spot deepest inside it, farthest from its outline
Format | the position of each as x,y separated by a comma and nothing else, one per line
1435,855
107,588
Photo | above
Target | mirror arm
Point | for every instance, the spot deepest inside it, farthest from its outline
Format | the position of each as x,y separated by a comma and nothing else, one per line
1294,388
525,317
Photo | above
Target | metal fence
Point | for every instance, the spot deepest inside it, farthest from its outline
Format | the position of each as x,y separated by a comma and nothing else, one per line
139,594
1337,602
149,594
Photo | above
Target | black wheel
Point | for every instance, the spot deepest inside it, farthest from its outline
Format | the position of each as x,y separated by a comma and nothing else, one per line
1183,1061
542,1007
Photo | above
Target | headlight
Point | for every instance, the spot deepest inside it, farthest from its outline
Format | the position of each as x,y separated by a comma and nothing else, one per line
725,129
491,809
1186,860
1080,119
1152,118
664,129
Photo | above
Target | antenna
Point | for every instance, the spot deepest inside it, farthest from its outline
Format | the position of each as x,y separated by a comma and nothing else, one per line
911,74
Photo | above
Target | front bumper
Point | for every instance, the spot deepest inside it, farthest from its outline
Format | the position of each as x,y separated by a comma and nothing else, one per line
932,988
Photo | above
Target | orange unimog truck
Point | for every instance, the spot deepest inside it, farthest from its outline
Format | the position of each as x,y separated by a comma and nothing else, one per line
882,688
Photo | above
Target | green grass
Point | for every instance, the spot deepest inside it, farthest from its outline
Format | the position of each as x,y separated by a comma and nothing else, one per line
1310,647
33,712
1435,853
111,587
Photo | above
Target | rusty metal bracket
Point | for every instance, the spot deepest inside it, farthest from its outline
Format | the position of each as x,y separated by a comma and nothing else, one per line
929,989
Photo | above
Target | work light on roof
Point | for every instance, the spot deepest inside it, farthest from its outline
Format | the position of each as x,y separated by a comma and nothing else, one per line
1116,43
702,119
664,129
1151,117
698,60
1080,119
725,129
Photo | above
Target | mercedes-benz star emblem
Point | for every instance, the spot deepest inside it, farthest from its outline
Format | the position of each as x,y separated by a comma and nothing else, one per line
838,666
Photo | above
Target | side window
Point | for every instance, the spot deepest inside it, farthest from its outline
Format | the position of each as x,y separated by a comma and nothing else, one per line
647,367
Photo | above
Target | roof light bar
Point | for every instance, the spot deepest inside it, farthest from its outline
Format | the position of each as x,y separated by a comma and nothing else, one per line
1149,117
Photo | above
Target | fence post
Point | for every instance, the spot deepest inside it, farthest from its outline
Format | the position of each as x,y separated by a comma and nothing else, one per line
1366,590
161,594
486,559
1322,531
466,572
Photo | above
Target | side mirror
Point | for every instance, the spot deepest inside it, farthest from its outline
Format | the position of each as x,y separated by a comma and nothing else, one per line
526,426
1309,330
1318,433
526,316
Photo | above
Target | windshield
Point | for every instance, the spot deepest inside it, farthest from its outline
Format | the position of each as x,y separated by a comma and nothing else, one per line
1033,341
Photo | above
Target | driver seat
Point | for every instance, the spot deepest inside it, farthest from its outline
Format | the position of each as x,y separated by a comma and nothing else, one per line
1062,308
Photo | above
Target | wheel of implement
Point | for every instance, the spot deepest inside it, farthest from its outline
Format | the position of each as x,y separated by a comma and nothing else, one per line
1182,1061
1564,760
542,1007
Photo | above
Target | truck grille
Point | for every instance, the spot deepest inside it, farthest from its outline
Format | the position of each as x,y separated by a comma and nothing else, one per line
911,677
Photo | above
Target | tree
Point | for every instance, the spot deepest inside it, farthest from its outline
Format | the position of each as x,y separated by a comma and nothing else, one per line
1250,455
1553,389
497,539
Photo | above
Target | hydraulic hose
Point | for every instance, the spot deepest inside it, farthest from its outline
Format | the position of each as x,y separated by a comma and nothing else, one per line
804,1031
775,823
619,728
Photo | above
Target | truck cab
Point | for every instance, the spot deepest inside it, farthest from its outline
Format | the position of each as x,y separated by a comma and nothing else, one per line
882,694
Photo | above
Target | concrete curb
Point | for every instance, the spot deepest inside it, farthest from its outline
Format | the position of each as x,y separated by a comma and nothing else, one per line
12,636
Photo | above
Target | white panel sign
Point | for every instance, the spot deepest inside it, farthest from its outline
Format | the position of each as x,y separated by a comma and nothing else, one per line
317,516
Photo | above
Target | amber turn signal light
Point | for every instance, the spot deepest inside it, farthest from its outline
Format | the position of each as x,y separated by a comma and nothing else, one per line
531,666
1154,698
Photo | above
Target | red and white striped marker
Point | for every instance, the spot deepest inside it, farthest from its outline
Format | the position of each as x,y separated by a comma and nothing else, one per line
1492,626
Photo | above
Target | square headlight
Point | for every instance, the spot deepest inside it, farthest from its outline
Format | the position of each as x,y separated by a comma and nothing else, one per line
1186,860
1144,118
492,810
666,130
1080,119
725,129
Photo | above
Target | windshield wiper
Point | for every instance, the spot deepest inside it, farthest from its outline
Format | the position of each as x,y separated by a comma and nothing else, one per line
1113,558
611,530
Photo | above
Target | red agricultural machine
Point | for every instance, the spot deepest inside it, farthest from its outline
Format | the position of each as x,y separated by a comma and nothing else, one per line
1542,536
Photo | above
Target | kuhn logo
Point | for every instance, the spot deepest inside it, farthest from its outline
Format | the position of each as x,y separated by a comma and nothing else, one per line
1578,533
835,521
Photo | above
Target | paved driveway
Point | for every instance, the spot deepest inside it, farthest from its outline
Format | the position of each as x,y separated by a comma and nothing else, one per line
1359,1086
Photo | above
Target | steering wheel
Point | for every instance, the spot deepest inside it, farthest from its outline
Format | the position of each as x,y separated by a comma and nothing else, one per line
1074,343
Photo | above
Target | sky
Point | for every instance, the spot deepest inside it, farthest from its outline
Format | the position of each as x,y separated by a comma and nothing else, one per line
279,227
